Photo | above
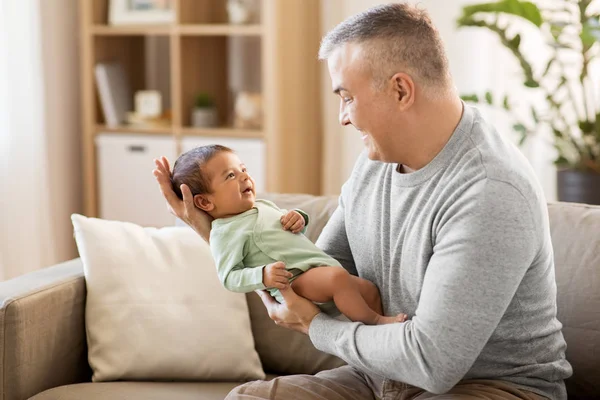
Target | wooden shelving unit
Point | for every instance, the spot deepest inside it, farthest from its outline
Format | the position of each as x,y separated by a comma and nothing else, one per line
288,35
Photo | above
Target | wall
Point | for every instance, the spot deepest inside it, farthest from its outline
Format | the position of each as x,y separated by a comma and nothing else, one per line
60,60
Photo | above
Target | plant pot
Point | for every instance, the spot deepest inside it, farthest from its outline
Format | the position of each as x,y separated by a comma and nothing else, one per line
204,117
578,187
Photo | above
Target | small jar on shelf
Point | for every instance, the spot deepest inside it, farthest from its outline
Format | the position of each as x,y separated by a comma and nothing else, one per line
241,11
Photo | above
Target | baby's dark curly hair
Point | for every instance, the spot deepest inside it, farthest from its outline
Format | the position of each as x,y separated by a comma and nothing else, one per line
188,169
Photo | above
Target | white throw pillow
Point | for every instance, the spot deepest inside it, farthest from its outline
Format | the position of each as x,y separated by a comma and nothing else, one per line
155,308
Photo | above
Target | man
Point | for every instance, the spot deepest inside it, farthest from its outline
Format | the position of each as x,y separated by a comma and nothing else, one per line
445,217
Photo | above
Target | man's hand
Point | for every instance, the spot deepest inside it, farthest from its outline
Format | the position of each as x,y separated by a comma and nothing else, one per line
296,313
276,276
183,209
292,221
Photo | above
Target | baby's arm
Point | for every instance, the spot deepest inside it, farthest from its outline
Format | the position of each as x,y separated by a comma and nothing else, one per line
232,273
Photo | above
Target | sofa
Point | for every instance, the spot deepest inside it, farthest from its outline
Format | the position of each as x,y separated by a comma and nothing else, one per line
43,353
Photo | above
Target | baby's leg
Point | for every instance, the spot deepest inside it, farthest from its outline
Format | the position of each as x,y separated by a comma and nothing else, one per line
370,293
323,284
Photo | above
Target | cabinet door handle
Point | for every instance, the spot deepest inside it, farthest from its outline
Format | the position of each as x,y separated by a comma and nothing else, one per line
137,149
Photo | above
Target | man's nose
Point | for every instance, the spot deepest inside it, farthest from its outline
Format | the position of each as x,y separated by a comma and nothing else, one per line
343,117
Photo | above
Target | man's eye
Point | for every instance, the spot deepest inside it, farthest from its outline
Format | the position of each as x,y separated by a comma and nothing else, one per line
347,99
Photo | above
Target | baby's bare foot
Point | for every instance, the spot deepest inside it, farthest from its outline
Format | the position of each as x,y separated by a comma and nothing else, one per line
383,320
401,317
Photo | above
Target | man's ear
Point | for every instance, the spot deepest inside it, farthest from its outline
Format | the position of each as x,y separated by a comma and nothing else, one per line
203,202
404,89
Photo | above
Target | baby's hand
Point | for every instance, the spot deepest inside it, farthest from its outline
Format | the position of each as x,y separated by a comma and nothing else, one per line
292,221
276,276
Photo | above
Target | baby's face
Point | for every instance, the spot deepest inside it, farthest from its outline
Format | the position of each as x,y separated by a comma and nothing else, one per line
232,187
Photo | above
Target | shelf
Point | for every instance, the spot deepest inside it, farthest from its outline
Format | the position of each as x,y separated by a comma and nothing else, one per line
131,30
185,30
223,132
219,30
167,130
214,132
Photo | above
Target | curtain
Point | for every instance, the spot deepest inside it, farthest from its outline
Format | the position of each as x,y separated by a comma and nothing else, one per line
39,145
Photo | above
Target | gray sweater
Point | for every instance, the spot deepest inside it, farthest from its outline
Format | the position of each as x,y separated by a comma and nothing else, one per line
463,247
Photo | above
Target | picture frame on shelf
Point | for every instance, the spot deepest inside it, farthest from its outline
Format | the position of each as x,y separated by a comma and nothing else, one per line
138,12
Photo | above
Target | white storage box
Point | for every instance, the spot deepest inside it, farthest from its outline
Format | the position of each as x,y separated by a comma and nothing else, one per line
251,152
127,190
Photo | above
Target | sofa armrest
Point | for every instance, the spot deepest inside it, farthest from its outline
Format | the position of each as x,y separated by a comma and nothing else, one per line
42,331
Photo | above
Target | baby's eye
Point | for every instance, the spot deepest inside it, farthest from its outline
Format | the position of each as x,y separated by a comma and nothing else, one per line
231,175
244,170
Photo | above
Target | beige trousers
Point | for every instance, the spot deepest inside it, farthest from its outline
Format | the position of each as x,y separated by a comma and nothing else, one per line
347,383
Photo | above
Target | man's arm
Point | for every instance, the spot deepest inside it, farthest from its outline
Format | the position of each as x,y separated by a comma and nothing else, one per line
482,251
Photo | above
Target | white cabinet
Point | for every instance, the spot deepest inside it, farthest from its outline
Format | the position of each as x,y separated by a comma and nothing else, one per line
251,152
127,190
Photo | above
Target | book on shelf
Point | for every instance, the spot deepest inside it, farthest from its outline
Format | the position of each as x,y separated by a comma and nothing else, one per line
114,92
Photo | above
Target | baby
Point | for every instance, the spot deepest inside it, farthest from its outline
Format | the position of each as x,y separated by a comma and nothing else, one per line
256,245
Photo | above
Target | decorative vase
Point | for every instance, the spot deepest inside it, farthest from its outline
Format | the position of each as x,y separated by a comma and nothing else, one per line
204,117
578,187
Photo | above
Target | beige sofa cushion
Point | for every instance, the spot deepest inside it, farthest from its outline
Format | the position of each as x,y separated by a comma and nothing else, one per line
575,232
283,351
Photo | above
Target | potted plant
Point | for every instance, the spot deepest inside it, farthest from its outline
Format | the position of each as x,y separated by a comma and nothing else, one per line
204,114
571,109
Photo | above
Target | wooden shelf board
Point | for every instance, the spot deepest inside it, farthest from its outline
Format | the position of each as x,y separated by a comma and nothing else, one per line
219,30
167,130
223,132
128,30
185,30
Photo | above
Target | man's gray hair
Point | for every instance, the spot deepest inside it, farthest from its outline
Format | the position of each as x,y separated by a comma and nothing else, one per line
397,37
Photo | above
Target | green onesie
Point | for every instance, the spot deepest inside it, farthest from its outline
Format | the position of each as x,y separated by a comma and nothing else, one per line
243,244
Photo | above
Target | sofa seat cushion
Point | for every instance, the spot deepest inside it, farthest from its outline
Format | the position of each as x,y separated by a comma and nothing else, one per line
140,391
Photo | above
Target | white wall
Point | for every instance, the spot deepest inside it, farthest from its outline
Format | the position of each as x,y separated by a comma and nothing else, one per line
477,62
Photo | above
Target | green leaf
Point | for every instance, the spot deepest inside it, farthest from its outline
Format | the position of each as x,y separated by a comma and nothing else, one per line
488,98
530,83
549,65
520,128
534,115
586,126
515,42
470,98
523,138
590,32
505,104
524,9
557,133
556,29
562,161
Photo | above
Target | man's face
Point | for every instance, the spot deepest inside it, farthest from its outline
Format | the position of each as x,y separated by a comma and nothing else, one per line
370,111
232,186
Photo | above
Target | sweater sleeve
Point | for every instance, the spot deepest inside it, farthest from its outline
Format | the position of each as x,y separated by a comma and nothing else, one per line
485,242
334,240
